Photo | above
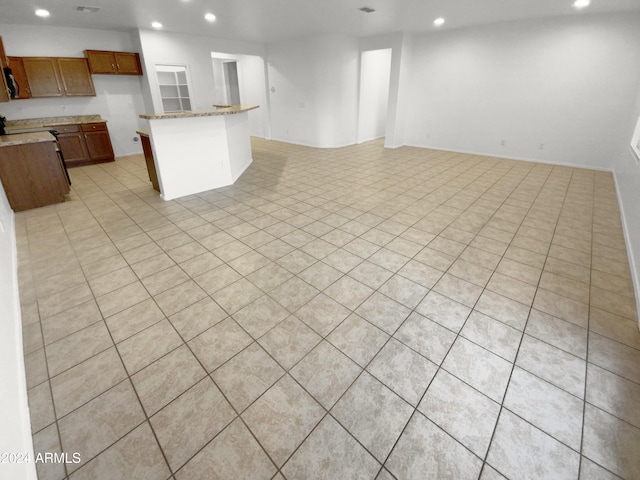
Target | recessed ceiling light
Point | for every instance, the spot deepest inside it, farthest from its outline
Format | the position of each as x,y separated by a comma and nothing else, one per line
156,24
209,17
41,12
438,22
581,3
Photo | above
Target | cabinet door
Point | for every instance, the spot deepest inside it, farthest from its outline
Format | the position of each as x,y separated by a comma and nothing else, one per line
20,76
128,63
4,93
98,141
73,148
43,76
32,175
76,78
101,61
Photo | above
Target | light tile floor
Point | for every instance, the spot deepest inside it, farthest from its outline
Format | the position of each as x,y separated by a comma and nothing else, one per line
341,314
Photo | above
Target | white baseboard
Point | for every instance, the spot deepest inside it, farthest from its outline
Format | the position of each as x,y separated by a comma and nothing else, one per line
514,157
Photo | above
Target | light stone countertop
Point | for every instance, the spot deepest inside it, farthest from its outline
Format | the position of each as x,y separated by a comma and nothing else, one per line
220,110
23,138
39,123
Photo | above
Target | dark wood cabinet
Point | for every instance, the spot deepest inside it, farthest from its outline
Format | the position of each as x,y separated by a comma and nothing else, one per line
113,63
76,79
148,158
4,92
84,144
57,77
43,76
17,68
128,63
72,144
32,175
98,141
101,62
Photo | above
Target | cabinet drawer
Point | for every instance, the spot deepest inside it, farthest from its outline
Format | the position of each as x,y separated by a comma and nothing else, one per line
93,127
65,128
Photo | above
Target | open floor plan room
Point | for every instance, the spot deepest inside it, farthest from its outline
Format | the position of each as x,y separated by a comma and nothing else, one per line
345,313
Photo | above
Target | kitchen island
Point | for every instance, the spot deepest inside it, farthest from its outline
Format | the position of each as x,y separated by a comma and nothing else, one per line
198,151
31,171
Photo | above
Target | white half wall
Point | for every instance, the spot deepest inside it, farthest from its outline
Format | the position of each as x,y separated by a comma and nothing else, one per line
195,154
313,90
15,435
554,90
118,97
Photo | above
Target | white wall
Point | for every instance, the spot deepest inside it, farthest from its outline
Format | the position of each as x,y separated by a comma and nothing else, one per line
195,52
560,83
313,90
375,70
627,176
16,427
118,97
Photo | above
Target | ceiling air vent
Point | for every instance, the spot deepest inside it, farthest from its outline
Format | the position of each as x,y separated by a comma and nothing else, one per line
83,8
367,10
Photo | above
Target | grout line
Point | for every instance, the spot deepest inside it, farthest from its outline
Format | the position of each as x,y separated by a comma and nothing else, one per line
334,210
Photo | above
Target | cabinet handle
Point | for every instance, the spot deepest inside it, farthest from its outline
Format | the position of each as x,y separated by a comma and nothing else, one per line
113,67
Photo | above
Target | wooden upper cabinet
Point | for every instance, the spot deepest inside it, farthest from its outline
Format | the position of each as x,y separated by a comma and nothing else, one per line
20,76
113,63
43,76
76,78
56,77
101,62
4,92
128,63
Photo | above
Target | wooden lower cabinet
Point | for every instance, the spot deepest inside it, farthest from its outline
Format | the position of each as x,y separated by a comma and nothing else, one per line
98,142
73,148
85,144
32,175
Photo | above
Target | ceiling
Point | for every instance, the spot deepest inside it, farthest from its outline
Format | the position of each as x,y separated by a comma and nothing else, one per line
273,20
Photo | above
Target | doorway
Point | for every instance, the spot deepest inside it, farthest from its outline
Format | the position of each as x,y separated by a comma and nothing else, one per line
241,79
232,87
375,73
